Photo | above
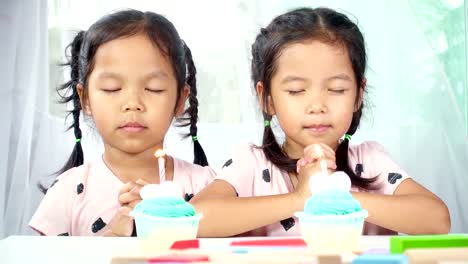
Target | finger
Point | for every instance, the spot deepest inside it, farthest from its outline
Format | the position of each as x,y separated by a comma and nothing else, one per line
313,154
128,197
328,151
136,190
310,147
300,163
133,204
142,182
139,184
331,164
126,187
124,211
309,169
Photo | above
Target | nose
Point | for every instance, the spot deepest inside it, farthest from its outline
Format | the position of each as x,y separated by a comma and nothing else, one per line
133,102
316,103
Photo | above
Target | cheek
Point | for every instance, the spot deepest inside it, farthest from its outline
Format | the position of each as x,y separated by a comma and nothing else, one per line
163,109
345,116
289,120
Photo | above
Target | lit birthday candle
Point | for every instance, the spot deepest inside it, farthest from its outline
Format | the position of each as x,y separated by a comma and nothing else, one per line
161,155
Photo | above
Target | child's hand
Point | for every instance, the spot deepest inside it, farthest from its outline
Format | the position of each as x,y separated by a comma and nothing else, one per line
129,194
318,152
122,223
309,165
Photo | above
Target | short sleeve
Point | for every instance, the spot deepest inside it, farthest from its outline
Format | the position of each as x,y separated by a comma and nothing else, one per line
371,160
205,176
54,214
239,170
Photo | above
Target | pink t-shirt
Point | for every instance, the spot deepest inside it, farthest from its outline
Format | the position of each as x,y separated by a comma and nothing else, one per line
85,198
251,174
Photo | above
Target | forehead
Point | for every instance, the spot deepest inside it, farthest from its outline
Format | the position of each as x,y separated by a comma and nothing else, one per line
313,59
132,55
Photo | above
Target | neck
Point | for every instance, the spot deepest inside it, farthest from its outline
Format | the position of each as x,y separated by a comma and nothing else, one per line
292,149
133,166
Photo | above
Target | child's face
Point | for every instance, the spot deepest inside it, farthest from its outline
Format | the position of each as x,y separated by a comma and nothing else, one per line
132,94
313,93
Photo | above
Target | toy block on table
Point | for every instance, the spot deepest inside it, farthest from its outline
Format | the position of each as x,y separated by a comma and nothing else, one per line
399,244
380,259
437,255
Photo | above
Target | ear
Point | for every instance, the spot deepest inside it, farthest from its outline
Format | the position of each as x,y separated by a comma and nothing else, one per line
269,108
360,95
183,98
83,101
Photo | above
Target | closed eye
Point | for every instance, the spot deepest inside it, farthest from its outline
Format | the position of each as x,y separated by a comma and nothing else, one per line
337,91
111,90
295,92
154,90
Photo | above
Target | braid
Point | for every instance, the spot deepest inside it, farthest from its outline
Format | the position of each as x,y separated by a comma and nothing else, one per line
273,151
76,157
198,152
68,93
342,159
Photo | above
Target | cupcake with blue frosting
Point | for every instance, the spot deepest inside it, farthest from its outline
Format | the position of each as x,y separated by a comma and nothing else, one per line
332,220
163,216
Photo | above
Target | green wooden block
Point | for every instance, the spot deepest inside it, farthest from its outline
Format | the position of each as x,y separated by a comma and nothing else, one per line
399,244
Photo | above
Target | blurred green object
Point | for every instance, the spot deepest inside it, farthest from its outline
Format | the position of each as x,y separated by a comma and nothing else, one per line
399,244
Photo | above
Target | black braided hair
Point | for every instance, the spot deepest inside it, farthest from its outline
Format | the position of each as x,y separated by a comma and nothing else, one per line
76,157
192,110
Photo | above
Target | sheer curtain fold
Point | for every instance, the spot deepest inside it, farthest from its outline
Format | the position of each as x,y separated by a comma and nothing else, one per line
31,139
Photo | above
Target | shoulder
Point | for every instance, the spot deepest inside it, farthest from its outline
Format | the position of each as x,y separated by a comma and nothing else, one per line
370,153
54,214
367,149
191,176
370,159
191,169
245,163
78,179
246,154
71,177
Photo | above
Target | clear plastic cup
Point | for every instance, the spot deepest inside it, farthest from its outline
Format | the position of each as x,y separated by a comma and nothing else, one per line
159,233
331,234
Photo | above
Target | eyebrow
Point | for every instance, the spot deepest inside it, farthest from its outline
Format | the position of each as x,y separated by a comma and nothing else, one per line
292,78
341,76
108,75
154,74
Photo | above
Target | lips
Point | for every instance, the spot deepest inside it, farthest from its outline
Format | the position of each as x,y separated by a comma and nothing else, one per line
318,129
133,127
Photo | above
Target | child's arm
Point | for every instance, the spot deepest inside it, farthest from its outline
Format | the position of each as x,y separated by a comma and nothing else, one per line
225,214
411,210
122,223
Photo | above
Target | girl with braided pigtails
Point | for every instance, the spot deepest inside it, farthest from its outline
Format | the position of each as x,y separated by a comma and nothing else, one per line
308,70
131,74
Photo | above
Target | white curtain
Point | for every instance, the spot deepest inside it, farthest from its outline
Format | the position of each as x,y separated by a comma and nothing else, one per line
419,103
32,142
